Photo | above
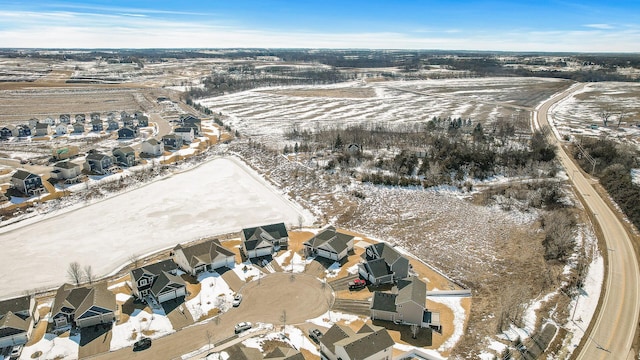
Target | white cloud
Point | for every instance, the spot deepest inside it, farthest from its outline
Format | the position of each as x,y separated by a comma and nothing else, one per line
599,26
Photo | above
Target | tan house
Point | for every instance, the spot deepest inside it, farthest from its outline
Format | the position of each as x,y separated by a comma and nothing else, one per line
209,255
330,244
370,343
83,306
18,317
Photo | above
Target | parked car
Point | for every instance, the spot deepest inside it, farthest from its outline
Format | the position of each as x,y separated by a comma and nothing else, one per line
15,352
237,300
142,344
357,284
243,326
315,335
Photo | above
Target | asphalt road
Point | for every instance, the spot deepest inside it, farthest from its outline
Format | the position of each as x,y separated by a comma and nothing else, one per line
614,328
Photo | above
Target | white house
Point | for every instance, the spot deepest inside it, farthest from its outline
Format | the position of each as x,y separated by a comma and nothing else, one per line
186,133
62,129
209,255
152,147
264,240
66,170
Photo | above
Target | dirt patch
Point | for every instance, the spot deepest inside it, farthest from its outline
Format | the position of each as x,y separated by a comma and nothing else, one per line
355,92
38,333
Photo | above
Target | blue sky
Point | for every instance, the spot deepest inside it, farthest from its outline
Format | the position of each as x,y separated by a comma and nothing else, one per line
543,25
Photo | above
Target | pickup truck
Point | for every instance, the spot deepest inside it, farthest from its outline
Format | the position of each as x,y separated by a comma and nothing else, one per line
357,284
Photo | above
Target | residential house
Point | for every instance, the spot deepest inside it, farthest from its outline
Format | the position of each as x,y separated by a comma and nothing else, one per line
383,264
127,133
83,306
17,319
127,121
112,125
125,156
97,125
66,170
157,282
192,122
124,114
330,244
143,121
80,118
42,129
284,353
78,128
65,152
23,130
406,304
61,129
94,116
186,133
208,255
8,131
33,122
49,121
172,141
27,183
65,119
152,147
264,240
98,163
111,116
370,343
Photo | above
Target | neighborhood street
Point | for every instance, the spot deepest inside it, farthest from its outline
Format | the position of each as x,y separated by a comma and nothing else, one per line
615,325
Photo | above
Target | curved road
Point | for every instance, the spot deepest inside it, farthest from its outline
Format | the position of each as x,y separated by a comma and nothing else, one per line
614,328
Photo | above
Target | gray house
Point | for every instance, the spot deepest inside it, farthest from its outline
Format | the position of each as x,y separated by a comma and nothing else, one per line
383,264
66,170
157,282
98,163
8,131
65,119
83,306
330,244
406,304
27,183
112,125
78,128
127,132
143,121
17,319
264,240
370,342
23,130
81,118
125,156
208,255
172,141
97,125
42,129
94,116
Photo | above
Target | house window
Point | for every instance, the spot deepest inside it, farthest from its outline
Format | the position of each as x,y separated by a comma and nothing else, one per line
143,282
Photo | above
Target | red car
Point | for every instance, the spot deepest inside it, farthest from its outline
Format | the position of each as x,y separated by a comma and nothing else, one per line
357,284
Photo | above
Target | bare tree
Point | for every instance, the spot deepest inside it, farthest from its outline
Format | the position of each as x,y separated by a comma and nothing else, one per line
300,221
414,330
283,318
620,117
604,116
209,336
134,259
74,272
89,276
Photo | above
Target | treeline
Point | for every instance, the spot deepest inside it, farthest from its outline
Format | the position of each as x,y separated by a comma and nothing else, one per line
614,163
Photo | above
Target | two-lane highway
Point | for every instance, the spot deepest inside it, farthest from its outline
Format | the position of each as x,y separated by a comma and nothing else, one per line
614,327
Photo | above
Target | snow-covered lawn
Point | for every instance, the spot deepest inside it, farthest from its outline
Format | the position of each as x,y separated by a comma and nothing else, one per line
53,347
333,270
140,324
297,264
214,293
331,317
218,197
246,270
459,316
292,336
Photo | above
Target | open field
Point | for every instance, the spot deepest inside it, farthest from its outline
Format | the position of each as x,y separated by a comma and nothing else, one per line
268,113
218,197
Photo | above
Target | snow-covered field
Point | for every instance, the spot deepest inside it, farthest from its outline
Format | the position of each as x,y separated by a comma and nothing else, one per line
140,324
214,293
268,113
220,196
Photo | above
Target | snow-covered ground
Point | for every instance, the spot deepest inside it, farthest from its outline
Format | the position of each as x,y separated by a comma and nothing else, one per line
220,196
459,316
331,317
246,271
292,336
53,347
140,324
214,293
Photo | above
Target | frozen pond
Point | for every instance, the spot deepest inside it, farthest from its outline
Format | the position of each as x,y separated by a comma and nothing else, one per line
220,196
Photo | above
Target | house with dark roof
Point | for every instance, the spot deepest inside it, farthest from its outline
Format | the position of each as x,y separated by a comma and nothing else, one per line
8,131
264,240
125,156
172,141
205,256
370,342
405,304
27,183
65,119
186,133
193,122
80,118
49,121
78,128
97,125
42,129
127,132
284,353
142,120
127,121
83,306
23,130
330,244
33,122
152,147
95,116
66,170
112,125
157,282
98,163
382,264
18,317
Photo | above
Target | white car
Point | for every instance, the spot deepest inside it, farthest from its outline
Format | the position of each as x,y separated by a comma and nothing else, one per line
237,300
243,326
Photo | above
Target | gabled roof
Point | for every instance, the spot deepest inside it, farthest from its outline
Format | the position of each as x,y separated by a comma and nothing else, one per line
66,165
83,298
8,127
12,324
183,130
98,296
257,244
154,269
284,353
377,267
330,237
124,150
42,126
276,231
385,251
171,136
205,252
368,341
335,334
166,280
19,304
152,142
96,156
412,289
22,175
384,301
